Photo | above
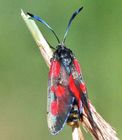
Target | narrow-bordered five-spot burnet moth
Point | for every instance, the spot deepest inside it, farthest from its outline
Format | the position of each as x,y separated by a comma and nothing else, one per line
66,87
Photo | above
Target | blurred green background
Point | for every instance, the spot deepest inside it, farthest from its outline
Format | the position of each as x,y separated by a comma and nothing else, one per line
96,39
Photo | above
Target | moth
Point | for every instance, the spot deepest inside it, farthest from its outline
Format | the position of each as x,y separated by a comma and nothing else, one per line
67,99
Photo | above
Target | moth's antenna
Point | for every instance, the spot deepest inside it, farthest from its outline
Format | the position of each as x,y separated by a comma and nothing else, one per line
43,22
70,21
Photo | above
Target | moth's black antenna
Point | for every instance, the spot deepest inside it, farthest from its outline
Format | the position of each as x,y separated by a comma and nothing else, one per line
70,21
43,22
51,46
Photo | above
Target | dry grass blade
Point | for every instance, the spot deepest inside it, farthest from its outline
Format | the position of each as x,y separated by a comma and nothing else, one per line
77,133
38,37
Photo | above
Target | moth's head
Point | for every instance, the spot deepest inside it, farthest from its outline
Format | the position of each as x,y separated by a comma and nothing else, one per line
64,54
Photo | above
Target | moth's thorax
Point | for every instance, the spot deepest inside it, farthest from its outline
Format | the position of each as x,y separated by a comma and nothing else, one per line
64,55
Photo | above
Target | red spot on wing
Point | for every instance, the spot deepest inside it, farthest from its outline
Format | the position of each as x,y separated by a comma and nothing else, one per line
77,66
54,69
54,108
58,90
53,89
74,89
78,69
